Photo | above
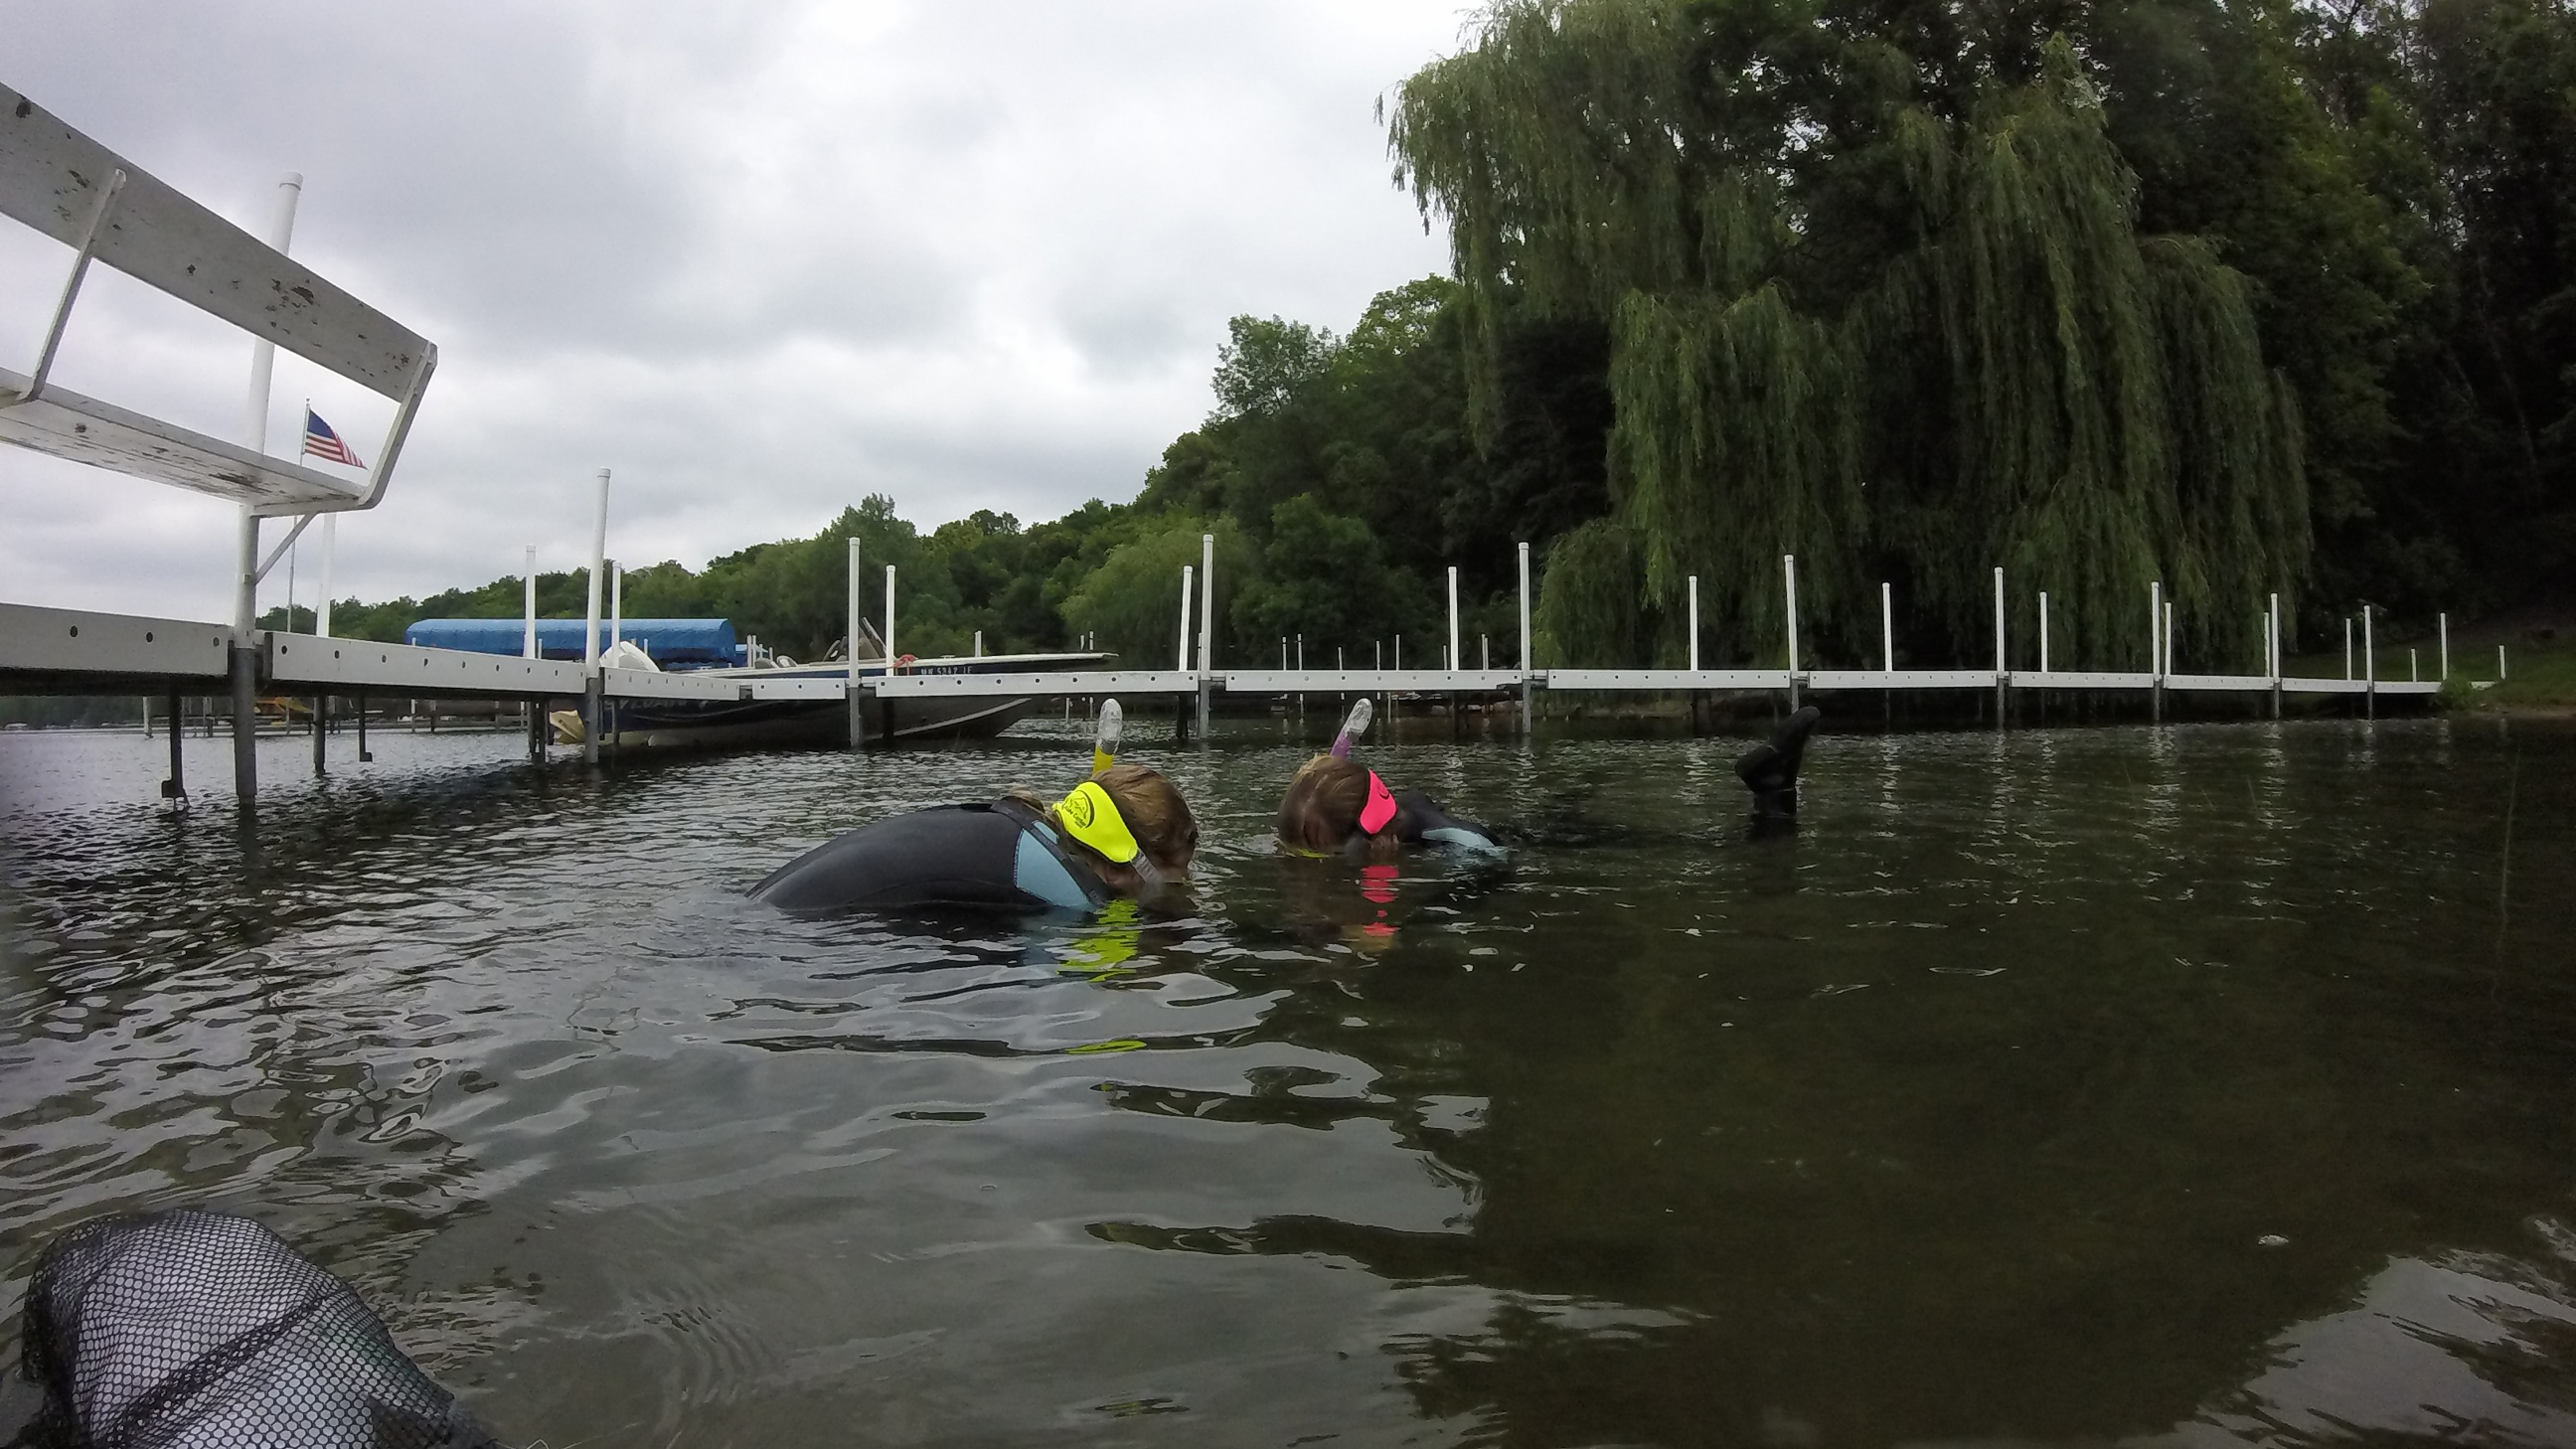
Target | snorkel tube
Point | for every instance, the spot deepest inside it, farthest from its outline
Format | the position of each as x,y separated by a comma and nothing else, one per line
1104,745
1353,726
1379,809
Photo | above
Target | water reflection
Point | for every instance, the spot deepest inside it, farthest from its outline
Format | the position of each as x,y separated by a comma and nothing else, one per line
2062,1086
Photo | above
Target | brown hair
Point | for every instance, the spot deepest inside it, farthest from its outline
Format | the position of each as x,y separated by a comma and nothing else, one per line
1321,810
1155,814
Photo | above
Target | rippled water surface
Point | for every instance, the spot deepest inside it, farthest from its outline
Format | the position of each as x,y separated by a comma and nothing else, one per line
2205,1084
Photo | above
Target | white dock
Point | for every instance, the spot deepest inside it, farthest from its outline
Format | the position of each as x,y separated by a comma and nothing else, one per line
73,651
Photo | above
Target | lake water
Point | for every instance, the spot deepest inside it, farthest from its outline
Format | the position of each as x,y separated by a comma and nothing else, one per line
2197,1085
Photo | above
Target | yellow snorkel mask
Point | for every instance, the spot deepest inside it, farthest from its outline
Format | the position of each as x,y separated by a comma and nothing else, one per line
1090,816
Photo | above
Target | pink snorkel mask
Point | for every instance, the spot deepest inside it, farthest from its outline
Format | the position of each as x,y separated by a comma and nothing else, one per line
1379,812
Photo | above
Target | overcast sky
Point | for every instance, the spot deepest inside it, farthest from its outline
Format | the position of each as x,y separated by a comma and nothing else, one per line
759,260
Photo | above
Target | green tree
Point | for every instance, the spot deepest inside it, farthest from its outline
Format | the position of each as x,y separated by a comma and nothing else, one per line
1132,601
1862,311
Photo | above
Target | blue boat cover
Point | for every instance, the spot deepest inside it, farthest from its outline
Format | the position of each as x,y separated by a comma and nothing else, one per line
670,642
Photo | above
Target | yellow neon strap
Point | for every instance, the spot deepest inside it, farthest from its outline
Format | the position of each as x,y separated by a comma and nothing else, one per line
1101,760
1090,816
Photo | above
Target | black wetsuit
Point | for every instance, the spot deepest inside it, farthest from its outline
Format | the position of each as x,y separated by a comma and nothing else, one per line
1420,820
997,857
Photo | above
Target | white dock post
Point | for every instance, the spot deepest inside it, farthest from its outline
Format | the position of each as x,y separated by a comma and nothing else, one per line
1455,658
2043,631
1189,572
2369,668
889,623
2446,647
1529,691
1484,653
2347,646
2414,675
849,653
2002,668
979,643
1887,627
1207,624
2156,648
594,688
2167,669
2500,676
2272,631
2155,624
616,603
1694,623
243,663
885,706
1789,576
528,650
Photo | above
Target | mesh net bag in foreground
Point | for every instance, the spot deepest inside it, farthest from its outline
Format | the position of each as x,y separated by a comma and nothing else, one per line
193,1330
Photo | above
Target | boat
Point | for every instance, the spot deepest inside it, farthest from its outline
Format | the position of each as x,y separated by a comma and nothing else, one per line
709,649
825,721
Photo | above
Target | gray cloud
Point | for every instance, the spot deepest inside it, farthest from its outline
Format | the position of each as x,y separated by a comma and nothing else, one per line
760,263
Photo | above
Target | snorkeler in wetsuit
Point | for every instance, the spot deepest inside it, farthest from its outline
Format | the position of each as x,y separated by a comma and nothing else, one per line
1125,832
1337,805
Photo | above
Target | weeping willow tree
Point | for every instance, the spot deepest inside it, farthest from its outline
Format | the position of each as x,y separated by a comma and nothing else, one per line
1898,340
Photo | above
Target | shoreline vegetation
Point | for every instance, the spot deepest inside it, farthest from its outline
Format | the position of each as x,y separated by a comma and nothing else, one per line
2238,297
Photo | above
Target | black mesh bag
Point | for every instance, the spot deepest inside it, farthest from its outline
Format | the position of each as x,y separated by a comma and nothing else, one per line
193,1330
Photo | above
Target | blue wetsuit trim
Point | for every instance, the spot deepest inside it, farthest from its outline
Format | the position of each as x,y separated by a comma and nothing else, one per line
1037,870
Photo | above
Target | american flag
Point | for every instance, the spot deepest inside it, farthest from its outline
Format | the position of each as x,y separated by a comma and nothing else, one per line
321,442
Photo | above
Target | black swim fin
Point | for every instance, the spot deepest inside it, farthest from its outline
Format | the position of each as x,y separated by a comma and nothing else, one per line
1770,771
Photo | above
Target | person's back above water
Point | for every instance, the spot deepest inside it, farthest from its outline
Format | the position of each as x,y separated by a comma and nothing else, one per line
1125,832
1335,805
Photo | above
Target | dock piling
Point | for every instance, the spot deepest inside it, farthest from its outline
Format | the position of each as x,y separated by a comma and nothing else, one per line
850,656
2369,669
1529,687
594,718
175,788
1207,625
1789,576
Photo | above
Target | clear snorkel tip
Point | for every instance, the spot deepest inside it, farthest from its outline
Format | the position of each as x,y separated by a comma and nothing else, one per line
1104,745
1353,727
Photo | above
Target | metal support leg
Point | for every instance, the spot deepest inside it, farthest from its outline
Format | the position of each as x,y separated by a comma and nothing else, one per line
1204,691
594,717
364,758
858,700
318,762
175,789
245,682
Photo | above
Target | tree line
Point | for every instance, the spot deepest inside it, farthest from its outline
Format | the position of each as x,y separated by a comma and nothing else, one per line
2238,297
